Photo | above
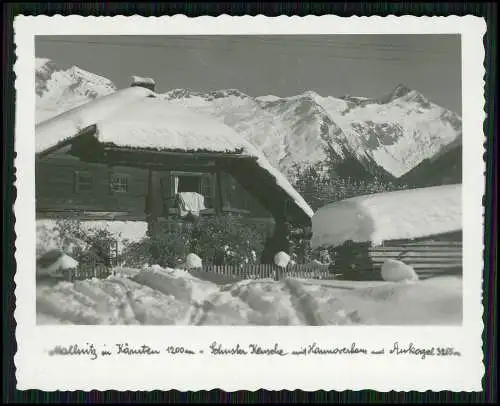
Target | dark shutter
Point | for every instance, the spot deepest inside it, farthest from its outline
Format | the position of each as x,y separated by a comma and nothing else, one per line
225,180
207,189
167,192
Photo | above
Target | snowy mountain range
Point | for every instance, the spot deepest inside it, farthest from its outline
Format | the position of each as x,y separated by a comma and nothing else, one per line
388,136
60,90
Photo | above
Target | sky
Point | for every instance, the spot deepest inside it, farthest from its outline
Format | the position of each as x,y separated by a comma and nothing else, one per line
281,65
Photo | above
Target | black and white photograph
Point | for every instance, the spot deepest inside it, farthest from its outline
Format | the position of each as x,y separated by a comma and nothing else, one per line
249,180
249,194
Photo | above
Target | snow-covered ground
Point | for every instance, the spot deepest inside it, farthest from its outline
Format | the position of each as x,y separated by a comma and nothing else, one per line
156,296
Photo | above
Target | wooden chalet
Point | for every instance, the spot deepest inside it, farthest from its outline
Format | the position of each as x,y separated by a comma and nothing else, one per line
130,155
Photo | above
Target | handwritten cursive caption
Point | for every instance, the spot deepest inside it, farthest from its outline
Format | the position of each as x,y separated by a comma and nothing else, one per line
95,352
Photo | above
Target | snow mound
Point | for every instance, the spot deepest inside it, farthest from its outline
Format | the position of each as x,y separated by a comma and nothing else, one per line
193,261
282,259
397,271
113,301
436,301
380,217
61,263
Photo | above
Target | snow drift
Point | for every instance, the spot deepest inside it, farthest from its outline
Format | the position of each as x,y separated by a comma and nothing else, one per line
157,296
380,217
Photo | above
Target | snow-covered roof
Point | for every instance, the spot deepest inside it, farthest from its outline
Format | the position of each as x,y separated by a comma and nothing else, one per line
405,214
66,126
140,80
136,118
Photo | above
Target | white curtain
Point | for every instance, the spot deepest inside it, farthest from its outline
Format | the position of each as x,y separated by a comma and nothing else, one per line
176,184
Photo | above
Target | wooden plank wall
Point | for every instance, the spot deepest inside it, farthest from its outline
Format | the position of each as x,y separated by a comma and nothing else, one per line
56,195
428,257
55,188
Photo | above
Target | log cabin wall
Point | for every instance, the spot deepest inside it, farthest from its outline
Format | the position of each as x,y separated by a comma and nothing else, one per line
235,198
65,186
69,187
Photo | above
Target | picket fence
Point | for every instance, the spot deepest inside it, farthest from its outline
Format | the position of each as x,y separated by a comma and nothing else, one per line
92,266
99,271
428,257
232,273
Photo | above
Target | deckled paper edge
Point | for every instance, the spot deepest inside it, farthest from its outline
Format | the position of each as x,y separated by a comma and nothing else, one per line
254,25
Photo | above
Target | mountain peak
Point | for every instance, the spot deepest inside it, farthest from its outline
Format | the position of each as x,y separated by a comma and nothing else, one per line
41,62
406,94
311,94
267,98
217,94
59,89
400,91
388,135
81,74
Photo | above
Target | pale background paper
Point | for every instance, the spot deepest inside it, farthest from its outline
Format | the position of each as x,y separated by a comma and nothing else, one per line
37,370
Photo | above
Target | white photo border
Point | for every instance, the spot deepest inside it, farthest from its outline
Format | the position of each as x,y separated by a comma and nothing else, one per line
35,369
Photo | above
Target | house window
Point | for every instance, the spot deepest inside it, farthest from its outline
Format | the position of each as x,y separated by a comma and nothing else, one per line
118,183
83,181
180,182
190,183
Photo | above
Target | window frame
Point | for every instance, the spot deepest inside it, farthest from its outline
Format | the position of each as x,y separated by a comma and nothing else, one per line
122,176
173,194
77,182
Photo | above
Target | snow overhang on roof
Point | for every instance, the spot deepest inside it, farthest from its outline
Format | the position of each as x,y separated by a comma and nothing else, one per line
137,118
400,215
147,83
